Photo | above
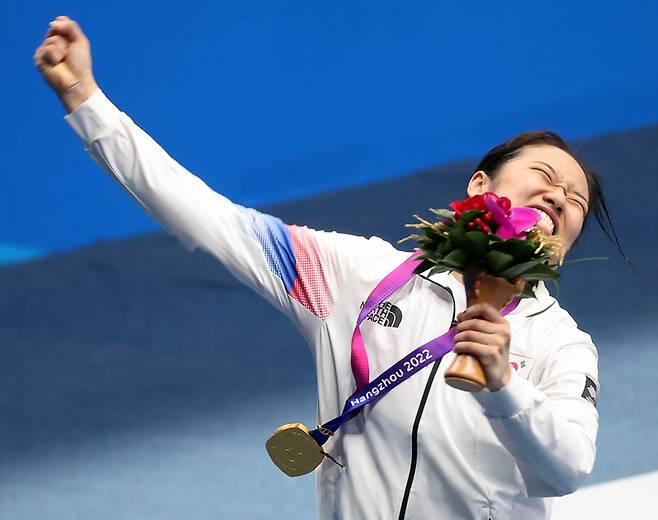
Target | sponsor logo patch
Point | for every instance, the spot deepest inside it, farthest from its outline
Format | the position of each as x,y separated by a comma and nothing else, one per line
386,314
590,391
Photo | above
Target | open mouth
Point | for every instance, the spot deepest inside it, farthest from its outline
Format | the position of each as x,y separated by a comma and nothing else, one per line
546,223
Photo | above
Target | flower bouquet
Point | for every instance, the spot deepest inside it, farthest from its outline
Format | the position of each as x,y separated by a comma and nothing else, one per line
501,251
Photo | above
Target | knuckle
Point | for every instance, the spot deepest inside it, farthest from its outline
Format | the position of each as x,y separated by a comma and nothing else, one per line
52,56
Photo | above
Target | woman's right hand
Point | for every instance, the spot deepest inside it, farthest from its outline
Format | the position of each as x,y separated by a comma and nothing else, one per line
64,61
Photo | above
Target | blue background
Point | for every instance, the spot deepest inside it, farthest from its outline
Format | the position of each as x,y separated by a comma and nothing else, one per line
132,380
269,101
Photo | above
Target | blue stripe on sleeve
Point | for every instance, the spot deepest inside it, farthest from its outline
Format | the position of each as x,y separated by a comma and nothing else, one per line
273,236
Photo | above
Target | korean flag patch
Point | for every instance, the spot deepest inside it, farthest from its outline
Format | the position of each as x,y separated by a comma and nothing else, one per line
590,391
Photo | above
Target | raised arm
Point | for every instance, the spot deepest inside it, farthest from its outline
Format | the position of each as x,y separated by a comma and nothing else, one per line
297,269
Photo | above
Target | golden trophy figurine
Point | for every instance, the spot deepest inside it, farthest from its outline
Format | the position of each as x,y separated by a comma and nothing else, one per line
466,372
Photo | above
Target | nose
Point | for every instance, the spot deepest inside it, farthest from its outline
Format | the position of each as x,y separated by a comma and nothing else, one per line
557,197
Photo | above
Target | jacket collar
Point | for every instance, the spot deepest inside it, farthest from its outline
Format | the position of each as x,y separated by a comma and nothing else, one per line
526,306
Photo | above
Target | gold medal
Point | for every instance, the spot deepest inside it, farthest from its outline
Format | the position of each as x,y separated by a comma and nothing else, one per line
293,450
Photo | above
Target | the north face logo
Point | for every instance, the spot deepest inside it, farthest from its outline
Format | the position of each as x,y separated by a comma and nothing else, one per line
590,391
386,314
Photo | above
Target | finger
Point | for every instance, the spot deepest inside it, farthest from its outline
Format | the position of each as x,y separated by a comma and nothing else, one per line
59,42
67,28
51,32
54,47
52,55
486,355
45,57
479,325
491,340
38,58
482,310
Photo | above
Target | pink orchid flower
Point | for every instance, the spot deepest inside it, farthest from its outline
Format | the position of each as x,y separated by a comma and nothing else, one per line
512,222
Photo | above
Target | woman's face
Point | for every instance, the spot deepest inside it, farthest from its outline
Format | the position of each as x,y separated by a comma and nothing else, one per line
546,178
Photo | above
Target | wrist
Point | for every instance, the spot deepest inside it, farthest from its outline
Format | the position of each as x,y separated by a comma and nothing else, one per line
77,93
503,380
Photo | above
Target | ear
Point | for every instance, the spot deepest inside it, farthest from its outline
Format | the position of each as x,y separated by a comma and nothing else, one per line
479,184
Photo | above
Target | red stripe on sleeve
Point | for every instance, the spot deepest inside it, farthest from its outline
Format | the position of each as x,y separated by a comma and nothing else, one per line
315,283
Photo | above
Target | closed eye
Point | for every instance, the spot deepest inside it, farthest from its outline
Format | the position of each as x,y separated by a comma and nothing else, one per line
546,174
574,200
577,201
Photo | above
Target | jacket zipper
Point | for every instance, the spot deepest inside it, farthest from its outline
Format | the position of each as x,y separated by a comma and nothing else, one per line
419,415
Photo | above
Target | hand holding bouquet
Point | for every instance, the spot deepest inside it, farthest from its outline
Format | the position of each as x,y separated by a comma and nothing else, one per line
501,251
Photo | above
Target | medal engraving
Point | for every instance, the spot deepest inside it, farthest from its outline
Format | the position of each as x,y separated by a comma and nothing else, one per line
293,450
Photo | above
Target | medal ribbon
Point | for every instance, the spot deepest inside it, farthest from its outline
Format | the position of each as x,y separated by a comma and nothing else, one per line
408,366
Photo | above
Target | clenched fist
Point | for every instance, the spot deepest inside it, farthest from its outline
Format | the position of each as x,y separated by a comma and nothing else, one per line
485,334
64,60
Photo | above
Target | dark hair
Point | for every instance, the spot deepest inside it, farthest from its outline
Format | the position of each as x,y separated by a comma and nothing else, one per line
510,149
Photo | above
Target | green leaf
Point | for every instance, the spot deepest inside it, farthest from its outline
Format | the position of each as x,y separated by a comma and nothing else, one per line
434,239
471,214
517,270
439,269
587,259
540,272
521,250
496,261
424,265
456,259
457,235
444,248
476,243
528,291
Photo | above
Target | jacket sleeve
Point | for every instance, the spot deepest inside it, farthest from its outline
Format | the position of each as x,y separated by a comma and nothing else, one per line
550,428
296,268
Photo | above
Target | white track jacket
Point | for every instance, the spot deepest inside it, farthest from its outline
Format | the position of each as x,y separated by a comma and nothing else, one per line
425,450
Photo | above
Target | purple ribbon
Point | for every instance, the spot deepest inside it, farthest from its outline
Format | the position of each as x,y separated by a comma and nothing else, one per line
405,368
387,286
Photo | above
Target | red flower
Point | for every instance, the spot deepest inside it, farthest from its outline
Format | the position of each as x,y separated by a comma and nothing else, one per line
497,215
460,206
